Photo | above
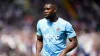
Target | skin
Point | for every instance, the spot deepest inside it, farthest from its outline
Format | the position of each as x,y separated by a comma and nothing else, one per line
71,46
50,14
39,45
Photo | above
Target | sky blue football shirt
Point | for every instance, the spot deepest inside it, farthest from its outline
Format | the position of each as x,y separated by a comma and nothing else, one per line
54,35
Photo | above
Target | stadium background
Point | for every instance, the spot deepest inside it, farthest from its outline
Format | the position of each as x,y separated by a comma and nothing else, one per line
18,20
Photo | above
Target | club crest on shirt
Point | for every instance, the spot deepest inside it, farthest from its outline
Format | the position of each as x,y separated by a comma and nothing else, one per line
58,29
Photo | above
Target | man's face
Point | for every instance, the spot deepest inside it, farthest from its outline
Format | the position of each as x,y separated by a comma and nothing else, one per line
49,10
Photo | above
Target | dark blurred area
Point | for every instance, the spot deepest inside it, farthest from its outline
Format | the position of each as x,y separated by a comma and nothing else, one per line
18,19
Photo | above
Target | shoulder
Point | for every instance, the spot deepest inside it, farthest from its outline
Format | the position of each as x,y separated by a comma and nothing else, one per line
41,21
65,22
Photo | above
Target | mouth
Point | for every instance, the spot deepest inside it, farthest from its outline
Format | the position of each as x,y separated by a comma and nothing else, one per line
46,15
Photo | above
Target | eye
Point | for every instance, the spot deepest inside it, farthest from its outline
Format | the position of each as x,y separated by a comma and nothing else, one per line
46,8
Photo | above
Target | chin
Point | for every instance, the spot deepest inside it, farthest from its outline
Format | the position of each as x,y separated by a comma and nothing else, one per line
47,16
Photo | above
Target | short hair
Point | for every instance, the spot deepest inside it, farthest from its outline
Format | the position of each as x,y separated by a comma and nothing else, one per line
54,5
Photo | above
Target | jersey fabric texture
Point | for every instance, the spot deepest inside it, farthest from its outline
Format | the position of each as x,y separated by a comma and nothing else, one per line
54,35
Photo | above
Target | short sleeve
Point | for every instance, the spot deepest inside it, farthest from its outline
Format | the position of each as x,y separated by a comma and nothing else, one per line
38,29
70,31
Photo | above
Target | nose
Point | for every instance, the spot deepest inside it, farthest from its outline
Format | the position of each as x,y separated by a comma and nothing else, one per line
46,11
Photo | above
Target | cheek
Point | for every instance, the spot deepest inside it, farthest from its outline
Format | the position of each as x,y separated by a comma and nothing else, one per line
51,12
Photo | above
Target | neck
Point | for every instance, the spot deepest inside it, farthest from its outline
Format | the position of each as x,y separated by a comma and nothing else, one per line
53,18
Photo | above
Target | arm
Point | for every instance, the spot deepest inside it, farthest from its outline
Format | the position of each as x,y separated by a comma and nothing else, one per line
39,45
71,46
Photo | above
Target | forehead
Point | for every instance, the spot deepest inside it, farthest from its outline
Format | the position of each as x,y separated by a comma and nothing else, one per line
48,6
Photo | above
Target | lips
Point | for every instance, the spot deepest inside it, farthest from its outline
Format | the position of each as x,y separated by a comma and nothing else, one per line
47,14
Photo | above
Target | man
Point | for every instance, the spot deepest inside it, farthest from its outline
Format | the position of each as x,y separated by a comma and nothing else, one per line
52,33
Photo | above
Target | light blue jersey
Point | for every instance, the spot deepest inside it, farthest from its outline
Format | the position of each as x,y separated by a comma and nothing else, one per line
54,35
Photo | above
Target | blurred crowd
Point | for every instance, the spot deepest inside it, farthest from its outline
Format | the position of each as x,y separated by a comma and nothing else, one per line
18,19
